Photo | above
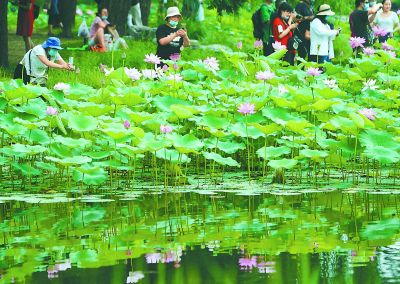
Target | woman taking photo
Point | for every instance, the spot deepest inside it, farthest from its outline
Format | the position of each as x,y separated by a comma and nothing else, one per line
282,29
35,65
322,36
387,20
170,38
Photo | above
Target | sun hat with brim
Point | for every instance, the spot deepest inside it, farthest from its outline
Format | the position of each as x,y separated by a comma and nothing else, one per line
52,42
172,11
325,10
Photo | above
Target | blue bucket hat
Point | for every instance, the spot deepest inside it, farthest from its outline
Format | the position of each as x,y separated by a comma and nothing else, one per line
52,42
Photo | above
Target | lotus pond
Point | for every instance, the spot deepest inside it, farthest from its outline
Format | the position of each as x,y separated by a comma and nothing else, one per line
202,236
255,172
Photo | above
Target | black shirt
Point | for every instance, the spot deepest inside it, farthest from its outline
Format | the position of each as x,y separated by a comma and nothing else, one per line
164,51
304,10
359,26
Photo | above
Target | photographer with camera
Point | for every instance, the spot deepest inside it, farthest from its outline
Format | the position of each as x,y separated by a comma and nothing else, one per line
282,30
322,36
306,15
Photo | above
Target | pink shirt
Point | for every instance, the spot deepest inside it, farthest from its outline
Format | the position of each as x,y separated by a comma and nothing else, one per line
95,26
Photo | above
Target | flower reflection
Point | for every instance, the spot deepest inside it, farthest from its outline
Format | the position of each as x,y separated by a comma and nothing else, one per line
134,277
167,257
247,263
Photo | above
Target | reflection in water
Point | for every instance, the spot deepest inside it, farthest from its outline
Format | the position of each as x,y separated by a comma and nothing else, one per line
329,237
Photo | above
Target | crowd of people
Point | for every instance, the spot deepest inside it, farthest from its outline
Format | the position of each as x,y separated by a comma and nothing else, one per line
311,35
301,31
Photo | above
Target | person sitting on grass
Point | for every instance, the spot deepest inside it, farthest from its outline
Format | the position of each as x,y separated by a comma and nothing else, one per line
100,27
170,38
35,65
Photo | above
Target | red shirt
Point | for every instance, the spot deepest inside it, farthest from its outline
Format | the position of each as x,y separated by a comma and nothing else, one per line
278,26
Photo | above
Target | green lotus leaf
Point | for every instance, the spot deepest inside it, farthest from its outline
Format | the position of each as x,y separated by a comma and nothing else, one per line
367,65
278,54
230,147
90,175
173,156
46,166
99,155
373,138
37,136
343,123
267,129
35,107
128,96
27,149
7,123
220,160
271,152
71,142
183,111
26,169
283,163
278,115
76,160
82,123
382,154
192,75
117,130
313,154
283,102
139,117
322,104
239,129
381,230
298,126
358,119
214,121
93,109
152,143
4,161
186,144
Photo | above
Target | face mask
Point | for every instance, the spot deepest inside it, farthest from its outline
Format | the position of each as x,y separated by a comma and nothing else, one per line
372,4
173,23
327,18
285,18
104,18
366,6
52,52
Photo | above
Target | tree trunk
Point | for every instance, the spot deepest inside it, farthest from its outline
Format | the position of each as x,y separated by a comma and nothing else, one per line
145,9
3,34
67,15
118,12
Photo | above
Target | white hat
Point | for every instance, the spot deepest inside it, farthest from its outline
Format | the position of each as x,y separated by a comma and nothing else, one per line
325,10
172,11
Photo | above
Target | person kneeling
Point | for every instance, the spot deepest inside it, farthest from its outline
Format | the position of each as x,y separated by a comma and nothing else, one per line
35,64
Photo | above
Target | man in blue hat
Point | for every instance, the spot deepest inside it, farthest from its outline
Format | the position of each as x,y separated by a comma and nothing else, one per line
35,65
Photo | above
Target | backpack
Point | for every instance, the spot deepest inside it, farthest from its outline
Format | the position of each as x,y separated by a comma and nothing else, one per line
257,24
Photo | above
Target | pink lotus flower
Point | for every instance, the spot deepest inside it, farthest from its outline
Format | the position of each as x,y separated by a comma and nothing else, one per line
61,87
211,63
312,71
175,57
51,111
282,90
90,12
246,108
265,75
153,257
165,68
152,58
278,46
79,12
149,74
258,44
134,277
391,53
266,267
368,113
127,124
357,42
332,84
378,31
175,66
370,84
175,77
133,73
165,129
386,46
239,45
369,51
247,263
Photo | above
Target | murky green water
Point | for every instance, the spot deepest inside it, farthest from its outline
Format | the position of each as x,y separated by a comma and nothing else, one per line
330,237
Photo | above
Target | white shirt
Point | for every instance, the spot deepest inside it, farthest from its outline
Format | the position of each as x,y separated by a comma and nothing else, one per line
37,69
387,23
321,39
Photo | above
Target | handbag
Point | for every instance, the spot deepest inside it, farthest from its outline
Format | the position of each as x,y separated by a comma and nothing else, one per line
294,42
